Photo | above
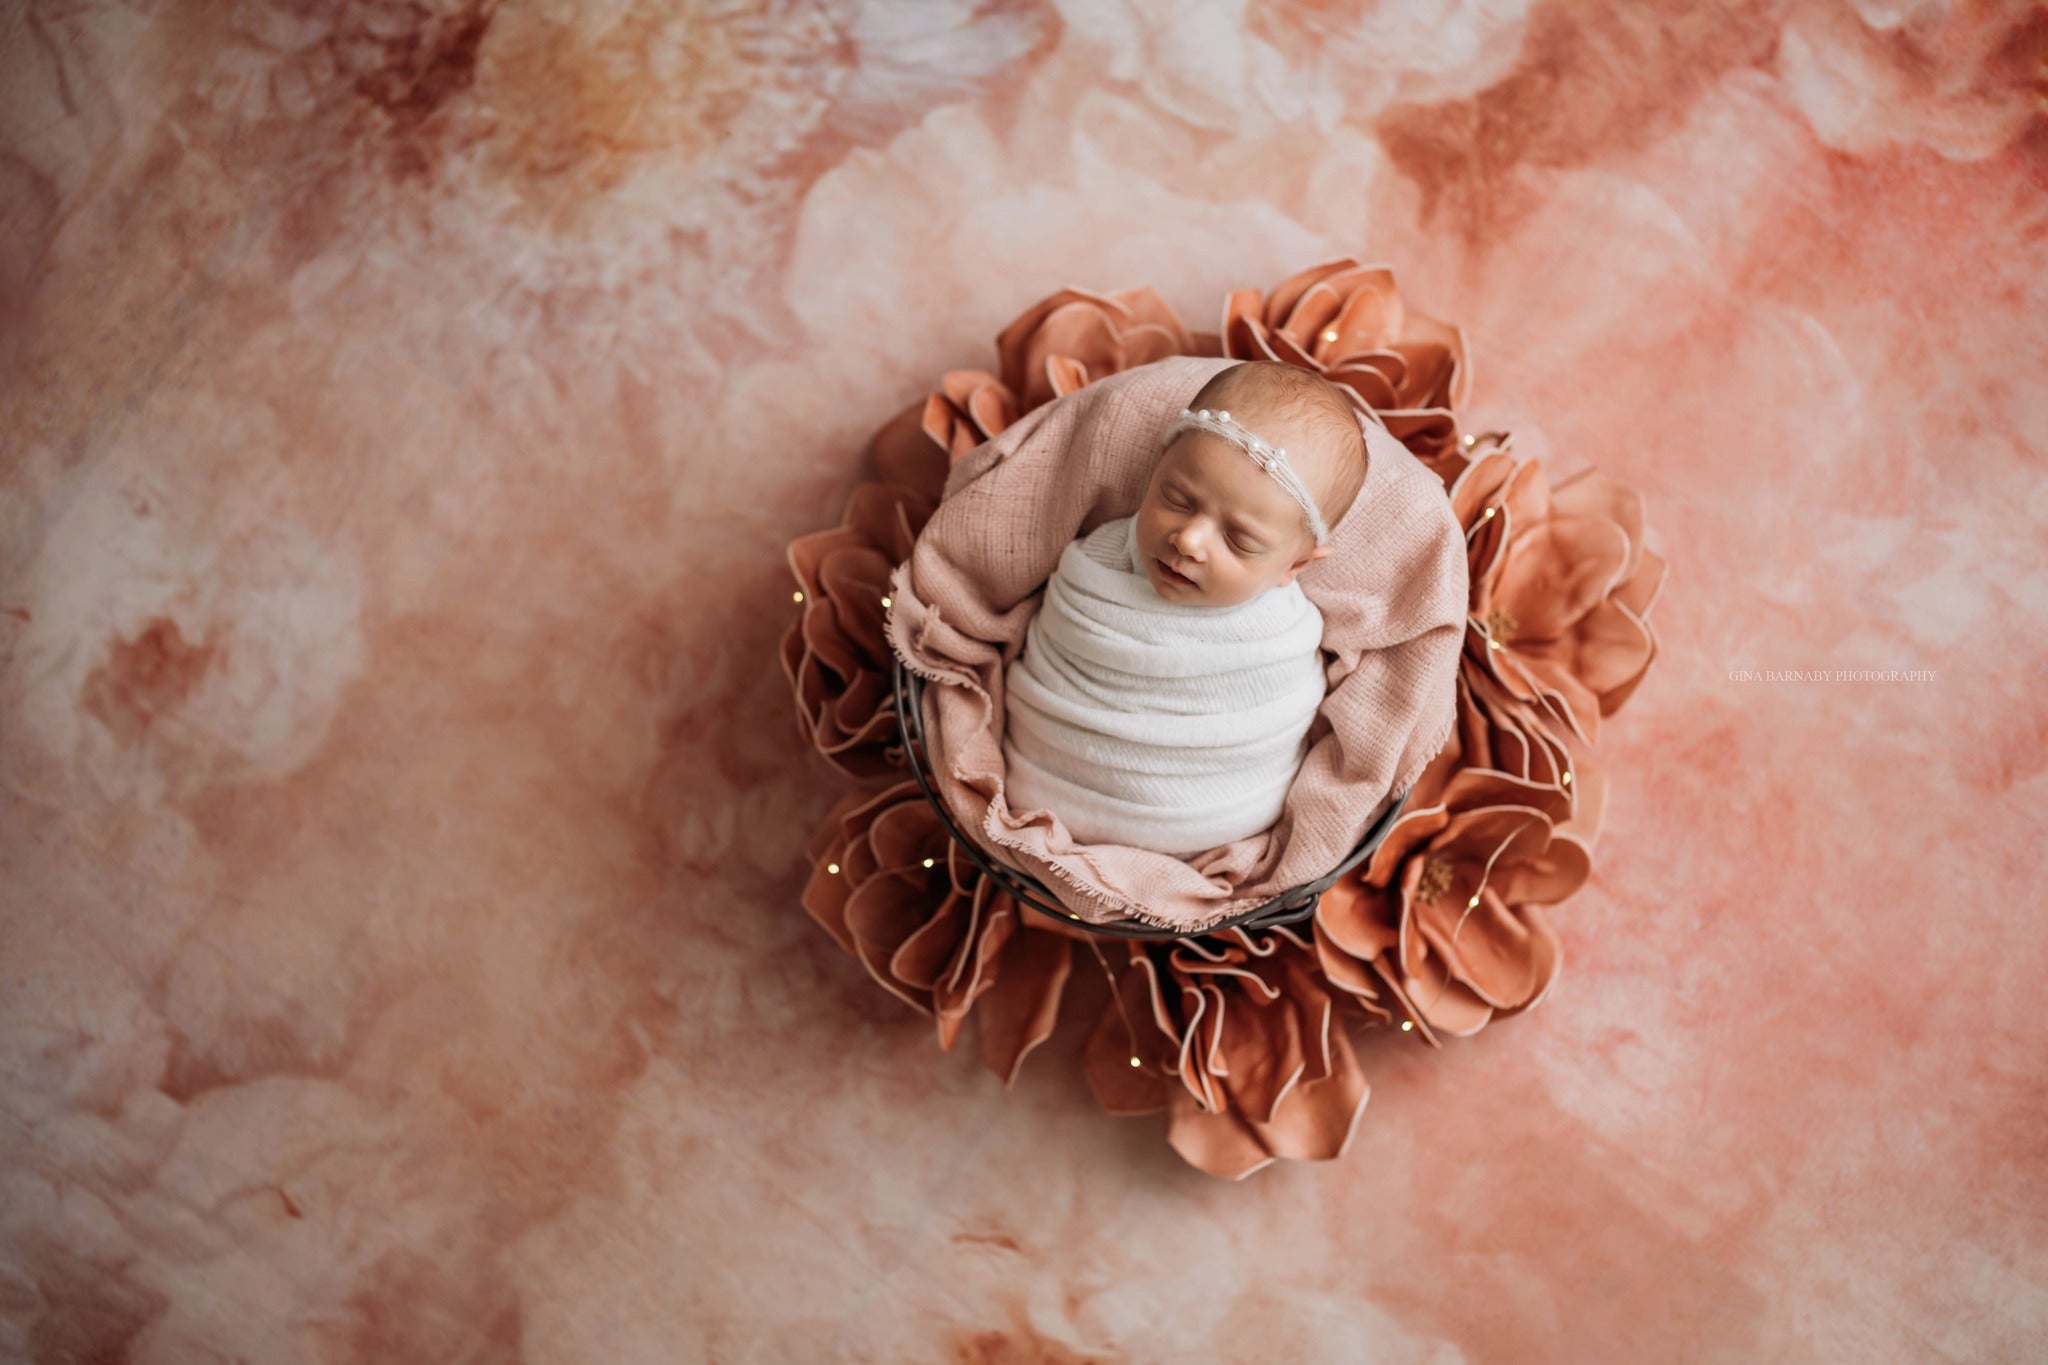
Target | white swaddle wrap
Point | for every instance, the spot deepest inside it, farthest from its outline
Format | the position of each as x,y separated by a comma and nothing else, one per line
1165,727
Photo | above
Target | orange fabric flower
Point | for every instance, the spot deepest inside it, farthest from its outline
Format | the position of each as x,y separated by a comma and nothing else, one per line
894,890
1247,1027
835,654
1446,912
1562,586
1065,340
1346,321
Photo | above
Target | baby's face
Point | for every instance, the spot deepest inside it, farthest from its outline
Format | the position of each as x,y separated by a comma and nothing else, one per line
1215,529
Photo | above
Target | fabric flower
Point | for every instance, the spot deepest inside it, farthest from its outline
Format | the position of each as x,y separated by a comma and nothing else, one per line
1237,1036
1064,341
1445,913
894,890
835,654
1562,586
1346,321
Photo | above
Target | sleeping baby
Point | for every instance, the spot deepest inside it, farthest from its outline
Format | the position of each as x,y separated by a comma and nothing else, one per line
1166,686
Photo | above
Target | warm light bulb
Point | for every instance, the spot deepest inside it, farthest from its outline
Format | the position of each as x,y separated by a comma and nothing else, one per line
1136,1062
1473,904
931,862
888,602
1407,1024
1330,335
832,868
1567,779
796,597
1489,514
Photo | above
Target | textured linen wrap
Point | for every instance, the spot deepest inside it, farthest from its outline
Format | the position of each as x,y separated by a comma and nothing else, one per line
1157,724
1392,596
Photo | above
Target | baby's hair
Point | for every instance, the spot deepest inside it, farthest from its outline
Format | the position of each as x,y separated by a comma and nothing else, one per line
1334,468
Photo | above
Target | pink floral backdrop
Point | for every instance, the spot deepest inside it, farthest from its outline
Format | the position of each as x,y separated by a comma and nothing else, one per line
1243,1037
405,407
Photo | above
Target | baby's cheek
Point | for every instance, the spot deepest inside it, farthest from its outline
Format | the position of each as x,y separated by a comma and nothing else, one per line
1148,529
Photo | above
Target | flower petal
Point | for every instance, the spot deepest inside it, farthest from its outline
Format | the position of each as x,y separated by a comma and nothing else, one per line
1449,1006
1286,295
1022,348
1119,1087
1439,368
1358,919
1221,1144
1264,1053
1371,385
1365,306
1605,649
1317,1121
1020,1010
908,456
1492,951
1555,572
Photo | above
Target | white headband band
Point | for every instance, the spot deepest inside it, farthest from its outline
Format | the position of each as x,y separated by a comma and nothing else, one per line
1272,459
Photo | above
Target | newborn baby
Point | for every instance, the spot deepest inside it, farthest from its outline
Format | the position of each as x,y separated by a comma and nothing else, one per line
1167,684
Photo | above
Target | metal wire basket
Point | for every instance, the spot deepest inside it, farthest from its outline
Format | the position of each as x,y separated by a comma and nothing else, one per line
1289,907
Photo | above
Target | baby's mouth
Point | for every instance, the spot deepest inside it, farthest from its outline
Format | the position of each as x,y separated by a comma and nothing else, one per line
1174,575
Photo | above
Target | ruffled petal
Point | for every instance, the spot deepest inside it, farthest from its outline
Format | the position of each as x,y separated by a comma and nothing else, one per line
1020,1010
1555,573
1449,1007
1286,295
1219,1143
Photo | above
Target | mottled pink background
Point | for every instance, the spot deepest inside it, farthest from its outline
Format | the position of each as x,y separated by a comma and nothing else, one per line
405,406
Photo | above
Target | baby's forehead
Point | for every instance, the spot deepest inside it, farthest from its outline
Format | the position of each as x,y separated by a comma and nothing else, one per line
1245,489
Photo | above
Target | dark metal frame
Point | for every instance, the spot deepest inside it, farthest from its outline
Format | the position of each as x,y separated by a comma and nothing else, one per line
1290,907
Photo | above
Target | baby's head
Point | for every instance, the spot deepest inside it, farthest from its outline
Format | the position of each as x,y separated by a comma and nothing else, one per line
1216,529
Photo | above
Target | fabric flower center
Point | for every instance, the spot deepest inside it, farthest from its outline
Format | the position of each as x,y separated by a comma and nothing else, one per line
1500,624
1435,879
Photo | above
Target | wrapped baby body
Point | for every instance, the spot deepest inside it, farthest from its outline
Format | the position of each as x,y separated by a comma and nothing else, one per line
1153,724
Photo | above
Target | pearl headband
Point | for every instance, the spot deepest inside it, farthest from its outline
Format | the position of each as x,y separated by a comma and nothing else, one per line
1272,459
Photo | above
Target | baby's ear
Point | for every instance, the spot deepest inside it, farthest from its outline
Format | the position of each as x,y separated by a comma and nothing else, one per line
1308,558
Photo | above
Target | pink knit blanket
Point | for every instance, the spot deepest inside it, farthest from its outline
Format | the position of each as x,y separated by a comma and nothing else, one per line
1392,595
